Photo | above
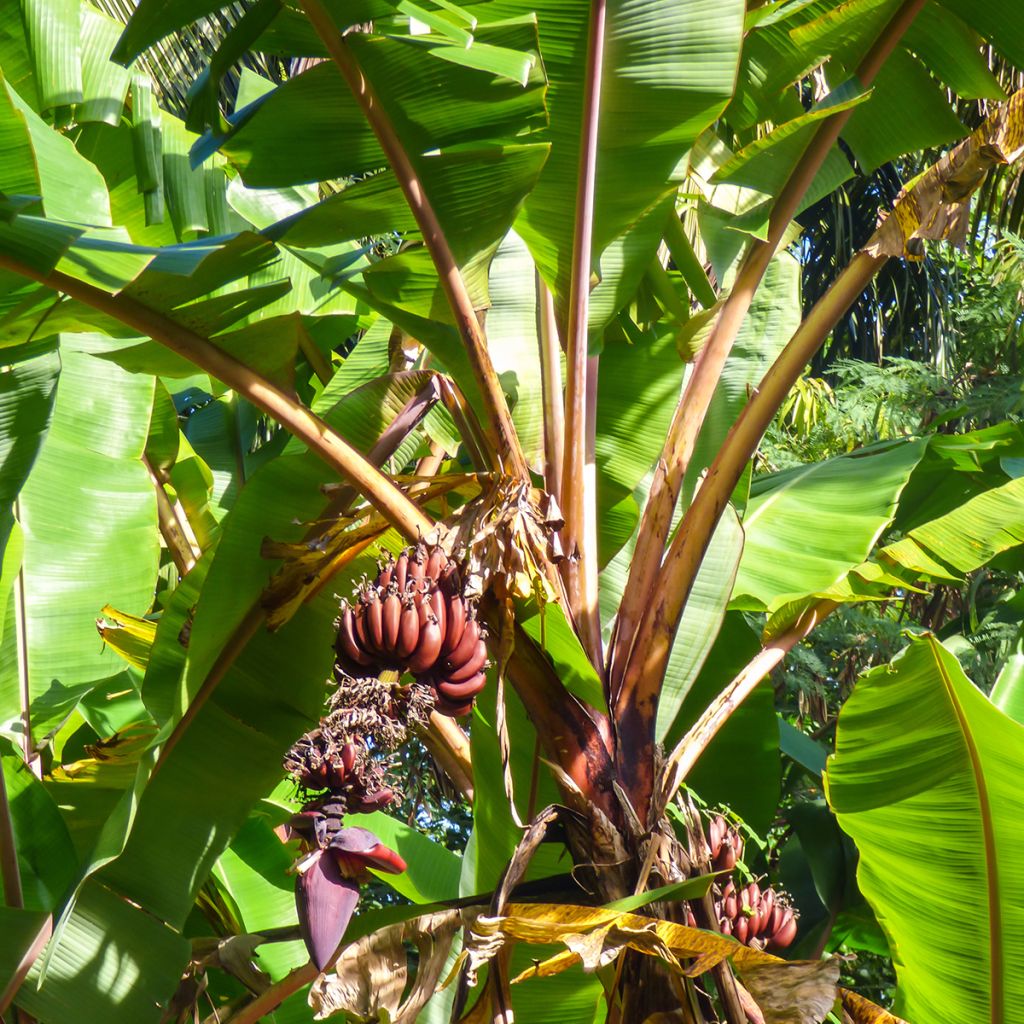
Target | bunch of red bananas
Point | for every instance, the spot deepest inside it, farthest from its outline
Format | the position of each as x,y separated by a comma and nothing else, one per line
414,618
754,916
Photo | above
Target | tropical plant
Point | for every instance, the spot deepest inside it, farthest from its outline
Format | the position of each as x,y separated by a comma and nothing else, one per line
226,400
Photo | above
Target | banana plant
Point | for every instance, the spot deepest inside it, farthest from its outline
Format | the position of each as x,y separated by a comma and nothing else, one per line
477,317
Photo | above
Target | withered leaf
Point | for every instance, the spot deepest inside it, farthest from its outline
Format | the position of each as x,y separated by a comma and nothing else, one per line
798,992
370,975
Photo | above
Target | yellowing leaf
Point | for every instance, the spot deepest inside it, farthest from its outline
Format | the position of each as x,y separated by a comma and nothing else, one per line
863,1011
127,635
936,204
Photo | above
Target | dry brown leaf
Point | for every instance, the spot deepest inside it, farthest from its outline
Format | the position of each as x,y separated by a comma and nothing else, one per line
797,992
509,535
936,204
370,975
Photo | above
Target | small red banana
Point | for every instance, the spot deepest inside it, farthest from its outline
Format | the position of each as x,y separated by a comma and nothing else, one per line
730,902
474,664
375,620
465,647
428,649
347,636
452,710
741,929
436,561
392,617
362,633
456,623
409,629
349,752
387,570
402,571
716,833
784,935
458,692
418,564
439,606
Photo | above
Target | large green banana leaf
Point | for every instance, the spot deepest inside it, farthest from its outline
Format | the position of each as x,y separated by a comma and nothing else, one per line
807,527
926,780
88,516
669,71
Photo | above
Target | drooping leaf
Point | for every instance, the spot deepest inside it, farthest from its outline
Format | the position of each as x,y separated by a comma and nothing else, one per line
807,527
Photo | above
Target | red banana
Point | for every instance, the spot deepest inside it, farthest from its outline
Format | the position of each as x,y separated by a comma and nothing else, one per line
347,636
428,649
464,649
392,617
475,662
456,623
409,629
375,620
458,692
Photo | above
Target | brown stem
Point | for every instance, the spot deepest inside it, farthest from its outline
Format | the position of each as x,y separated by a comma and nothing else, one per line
505,439
481,451
551,387
268,1001
291,414
688,750
580,568
654,637
9,870
696,399
170,528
